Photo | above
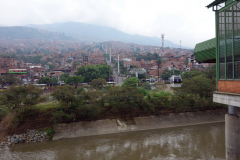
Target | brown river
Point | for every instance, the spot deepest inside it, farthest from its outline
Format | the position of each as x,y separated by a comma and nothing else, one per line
205,142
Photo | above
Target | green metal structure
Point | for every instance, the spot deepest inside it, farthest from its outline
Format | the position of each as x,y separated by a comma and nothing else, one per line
227,41
205,52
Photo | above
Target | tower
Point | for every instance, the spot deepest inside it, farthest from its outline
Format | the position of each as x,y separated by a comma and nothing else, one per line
162,42
180,46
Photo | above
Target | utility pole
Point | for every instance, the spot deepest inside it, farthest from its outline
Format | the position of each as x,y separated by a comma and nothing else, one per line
106,49
118,65
110,55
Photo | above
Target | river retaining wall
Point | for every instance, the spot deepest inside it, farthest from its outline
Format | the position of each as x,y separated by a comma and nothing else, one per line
109,126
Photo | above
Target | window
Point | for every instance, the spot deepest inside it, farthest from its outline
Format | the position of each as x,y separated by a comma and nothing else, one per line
229,42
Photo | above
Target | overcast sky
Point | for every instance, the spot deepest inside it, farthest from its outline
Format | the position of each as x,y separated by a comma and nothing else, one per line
186,20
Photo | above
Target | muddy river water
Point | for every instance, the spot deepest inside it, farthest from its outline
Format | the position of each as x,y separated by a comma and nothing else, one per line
205,142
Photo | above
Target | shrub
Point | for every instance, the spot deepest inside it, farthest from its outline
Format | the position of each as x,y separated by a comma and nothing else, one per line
61,116
50,132
89,112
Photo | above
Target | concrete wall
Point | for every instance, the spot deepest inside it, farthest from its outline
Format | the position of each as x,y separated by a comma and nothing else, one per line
108,126
231,99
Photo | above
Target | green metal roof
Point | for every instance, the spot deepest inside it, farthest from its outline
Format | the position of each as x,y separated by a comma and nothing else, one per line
205,52
216,2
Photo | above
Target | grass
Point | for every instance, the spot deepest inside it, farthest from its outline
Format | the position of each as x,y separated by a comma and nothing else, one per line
47,105
159,88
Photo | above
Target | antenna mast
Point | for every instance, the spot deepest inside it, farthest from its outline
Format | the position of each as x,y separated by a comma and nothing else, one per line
180,46
162,42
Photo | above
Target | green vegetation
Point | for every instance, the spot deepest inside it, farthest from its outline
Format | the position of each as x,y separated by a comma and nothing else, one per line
64,76
47,80
91,72
51,67
147,57
18,99
74,80
167,73
46,106
9,79
30,59
99,83
70,104
133,82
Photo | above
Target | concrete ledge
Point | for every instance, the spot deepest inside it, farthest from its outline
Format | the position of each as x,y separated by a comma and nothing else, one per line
227,98
109,126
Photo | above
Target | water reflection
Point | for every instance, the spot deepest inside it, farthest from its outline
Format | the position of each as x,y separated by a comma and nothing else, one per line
191,142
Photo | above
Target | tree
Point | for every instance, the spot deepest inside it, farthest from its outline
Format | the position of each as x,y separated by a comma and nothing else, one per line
99,83
133,82
158,62
65,95
161,98
64,76
91,72
198,85
156,56
51,67
124,99
167,73
190,74
74,80
20,98
47,80
9,79
115,98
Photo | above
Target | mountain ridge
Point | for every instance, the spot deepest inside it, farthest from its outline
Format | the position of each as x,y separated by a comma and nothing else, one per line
22,32
90,32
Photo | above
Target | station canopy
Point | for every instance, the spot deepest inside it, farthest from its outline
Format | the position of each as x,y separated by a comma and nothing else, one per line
205,52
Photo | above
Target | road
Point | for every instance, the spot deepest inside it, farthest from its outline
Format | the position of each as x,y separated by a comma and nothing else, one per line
119,80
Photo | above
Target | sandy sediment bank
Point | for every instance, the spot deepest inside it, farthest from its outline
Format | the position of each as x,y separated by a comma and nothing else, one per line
108,126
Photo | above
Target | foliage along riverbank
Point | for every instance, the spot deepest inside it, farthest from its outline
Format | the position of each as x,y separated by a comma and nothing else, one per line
68,104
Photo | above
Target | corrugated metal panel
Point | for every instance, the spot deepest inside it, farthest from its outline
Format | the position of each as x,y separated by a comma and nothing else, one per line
216,2
205,52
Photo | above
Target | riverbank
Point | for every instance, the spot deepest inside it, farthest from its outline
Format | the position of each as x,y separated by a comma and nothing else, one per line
109,126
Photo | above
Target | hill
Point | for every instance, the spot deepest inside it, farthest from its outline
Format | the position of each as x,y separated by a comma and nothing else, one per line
89,32
20,32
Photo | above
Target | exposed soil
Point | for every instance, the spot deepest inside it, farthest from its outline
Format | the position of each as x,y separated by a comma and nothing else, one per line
4,125
168,88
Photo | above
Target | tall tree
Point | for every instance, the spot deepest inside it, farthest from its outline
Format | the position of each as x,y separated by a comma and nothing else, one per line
9,79
99,83
74,80
133,82
64,76
91,72
19,98
65,95
158,62
47,80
